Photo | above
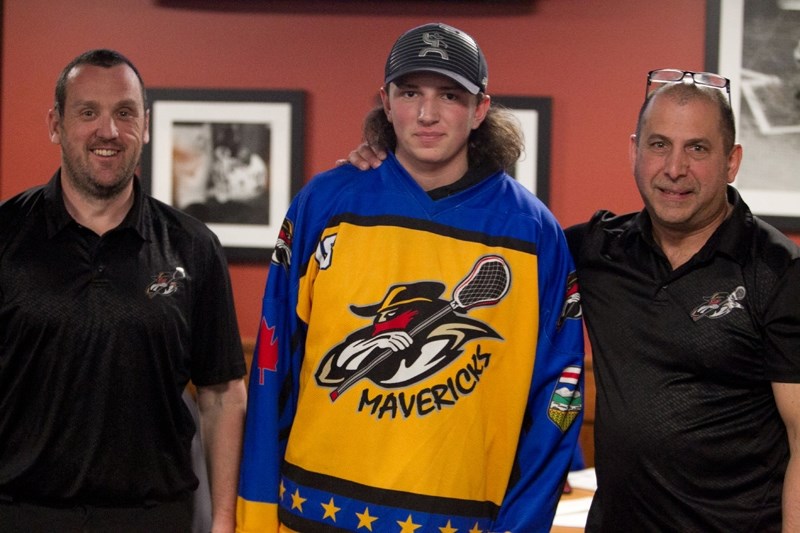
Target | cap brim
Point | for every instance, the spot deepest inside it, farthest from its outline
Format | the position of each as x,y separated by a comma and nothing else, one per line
461,80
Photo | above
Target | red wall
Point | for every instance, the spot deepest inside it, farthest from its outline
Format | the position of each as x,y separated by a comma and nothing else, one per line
590,57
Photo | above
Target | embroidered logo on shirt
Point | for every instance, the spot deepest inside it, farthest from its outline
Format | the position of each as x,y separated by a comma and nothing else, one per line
720,304
566,402
166,283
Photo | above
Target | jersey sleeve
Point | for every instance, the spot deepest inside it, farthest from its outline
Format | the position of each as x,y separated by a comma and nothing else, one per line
554,411
271,392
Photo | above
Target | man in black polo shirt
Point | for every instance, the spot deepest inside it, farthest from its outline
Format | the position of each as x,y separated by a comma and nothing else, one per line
110,302
697,368
693,312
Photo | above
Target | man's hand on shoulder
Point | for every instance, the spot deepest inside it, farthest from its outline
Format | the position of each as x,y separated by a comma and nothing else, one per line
364,157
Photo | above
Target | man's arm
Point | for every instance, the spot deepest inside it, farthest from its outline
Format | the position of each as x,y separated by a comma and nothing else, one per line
787,398
222,409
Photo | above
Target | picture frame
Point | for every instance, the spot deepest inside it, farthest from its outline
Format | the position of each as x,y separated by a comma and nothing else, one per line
231,158
535,116
757,46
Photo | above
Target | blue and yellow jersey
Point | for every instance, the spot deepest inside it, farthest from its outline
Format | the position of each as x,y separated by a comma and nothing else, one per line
418,365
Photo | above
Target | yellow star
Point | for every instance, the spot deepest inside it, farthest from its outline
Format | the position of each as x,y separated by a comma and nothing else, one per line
408,526
448,528
330,510
281,491
475,529
297,501
365,520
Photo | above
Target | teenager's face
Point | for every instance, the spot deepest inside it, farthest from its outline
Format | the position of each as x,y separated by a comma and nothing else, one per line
433,117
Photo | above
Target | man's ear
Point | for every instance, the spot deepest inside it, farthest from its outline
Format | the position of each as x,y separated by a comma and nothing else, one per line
734,160
481,110
53,126
633,147
146,126
387,106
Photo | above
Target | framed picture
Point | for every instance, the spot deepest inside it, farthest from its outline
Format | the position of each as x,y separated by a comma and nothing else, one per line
756,44
231,158
533,168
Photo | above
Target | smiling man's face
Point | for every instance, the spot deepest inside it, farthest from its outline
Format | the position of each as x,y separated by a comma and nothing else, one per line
101,129
681,164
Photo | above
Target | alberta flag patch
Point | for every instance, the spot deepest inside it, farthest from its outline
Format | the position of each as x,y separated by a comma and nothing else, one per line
566,402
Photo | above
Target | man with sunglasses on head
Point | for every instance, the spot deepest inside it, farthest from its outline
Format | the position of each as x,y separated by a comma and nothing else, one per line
698,403
697,369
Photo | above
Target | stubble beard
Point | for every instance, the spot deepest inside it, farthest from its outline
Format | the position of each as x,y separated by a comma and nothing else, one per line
82,179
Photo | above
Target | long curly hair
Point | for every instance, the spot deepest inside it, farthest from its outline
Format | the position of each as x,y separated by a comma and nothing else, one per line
498,141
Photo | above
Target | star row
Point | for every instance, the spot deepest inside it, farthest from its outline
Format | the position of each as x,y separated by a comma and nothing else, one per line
365,519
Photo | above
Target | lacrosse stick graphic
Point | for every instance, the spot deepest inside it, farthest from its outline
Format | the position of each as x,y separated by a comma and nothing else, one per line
486,284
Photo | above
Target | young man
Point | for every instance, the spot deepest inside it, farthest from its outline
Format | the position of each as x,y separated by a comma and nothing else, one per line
419,358
110,301
698,404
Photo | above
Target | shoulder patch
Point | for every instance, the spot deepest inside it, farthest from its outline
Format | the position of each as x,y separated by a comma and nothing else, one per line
566,402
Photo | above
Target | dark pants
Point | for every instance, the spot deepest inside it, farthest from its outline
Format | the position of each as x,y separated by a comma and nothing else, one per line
170,517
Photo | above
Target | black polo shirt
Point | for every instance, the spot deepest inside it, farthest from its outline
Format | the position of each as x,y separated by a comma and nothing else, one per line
688,437
98,338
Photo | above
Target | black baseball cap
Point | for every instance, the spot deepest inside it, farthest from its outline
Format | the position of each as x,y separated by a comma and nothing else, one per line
437,47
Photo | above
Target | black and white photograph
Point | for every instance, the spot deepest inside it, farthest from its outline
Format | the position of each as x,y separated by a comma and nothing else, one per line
232,159
757,46
221,171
